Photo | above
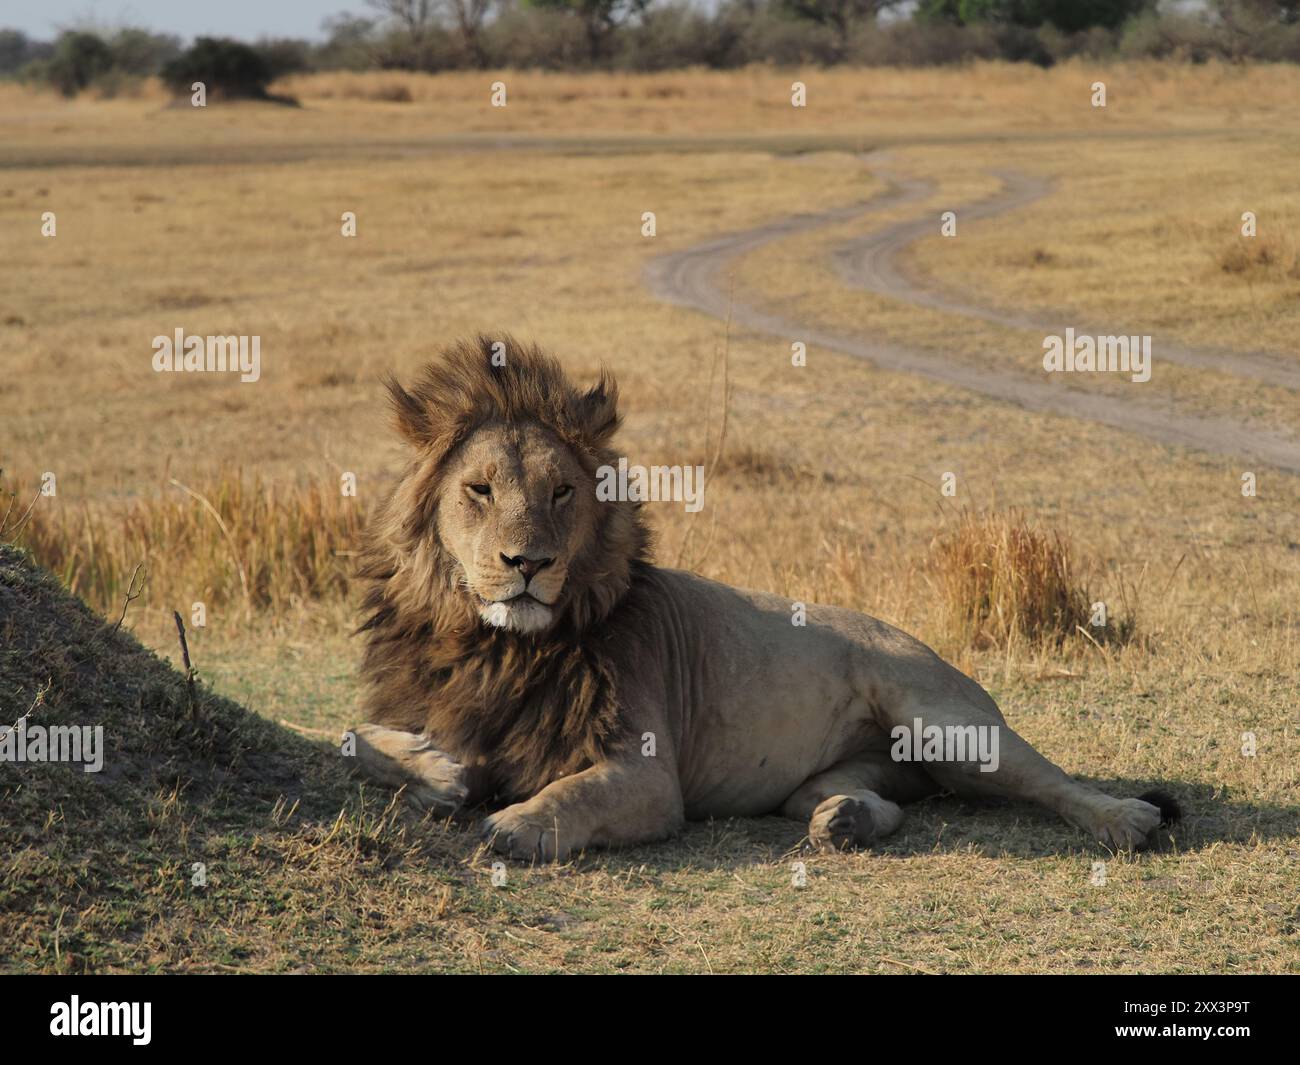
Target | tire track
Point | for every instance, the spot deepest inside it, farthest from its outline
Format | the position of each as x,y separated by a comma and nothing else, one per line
696,278
872,263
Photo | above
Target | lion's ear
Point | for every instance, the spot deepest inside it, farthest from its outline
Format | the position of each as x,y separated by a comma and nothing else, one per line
598,410
409,413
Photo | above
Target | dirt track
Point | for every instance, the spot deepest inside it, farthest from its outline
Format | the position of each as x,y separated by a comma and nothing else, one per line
696,278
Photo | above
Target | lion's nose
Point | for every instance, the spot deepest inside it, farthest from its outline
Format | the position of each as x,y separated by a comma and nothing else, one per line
526,566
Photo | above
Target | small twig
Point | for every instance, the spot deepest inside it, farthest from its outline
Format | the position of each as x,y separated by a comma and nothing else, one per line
1172,575
38,701
4,522
712,456
726,385
132,594
13,498
190,671
185,646
13,535
1094,643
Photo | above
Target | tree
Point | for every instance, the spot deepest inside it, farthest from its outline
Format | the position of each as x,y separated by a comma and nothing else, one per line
78,59
140,52
1068,16
469,16
840,15
349,43
228,68
15,50
415,16
599,17
285,55
1286,11
418,21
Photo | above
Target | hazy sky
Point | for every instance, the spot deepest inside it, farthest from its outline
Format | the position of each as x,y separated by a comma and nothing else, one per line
245,19
186,18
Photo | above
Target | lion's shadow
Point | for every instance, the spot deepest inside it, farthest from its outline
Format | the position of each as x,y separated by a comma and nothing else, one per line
948,824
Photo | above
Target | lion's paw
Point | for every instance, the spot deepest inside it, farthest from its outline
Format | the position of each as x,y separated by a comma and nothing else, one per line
517,834
855,820
841,822
433,780
438,784
1128,825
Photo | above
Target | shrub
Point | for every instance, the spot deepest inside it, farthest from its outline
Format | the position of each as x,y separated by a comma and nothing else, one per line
769,36
78,59
227,68
17,50
139,53
1001,578
676,35
285,55
526,38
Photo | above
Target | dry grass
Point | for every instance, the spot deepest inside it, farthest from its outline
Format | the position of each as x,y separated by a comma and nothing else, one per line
1268,258
237,544
983,96
1003,578
828,489
367,116
306,872
232,541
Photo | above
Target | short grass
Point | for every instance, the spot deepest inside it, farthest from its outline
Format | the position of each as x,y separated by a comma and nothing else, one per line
829,490
305,870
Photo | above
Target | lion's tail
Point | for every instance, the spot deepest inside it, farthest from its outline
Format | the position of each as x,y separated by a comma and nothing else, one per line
1170,810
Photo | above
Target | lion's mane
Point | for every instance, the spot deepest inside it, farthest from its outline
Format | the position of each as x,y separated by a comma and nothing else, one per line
536,707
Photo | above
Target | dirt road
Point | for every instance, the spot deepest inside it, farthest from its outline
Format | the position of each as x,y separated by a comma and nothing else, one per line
697,278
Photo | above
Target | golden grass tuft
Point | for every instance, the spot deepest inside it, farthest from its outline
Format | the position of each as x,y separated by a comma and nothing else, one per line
1266,257
229,541
1003,579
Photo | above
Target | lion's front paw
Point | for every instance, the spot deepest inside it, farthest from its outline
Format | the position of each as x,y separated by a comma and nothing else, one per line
529,837
438,784
1128,824
433,780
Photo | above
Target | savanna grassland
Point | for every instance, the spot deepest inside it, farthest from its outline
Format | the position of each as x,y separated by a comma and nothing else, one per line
824,483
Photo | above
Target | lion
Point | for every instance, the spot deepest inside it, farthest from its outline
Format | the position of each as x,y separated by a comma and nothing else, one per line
521,647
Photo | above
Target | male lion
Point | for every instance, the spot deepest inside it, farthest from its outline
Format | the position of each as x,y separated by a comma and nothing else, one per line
520,644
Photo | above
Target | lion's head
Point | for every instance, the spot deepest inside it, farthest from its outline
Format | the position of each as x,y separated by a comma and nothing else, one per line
496,516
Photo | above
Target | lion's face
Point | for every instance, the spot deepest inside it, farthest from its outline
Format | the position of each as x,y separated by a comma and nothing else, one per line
496,515
515,508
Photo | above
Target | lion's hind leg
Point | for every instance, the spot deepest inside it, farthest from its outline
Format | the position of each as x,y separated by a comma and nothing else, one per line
1017,771
397,758
846,805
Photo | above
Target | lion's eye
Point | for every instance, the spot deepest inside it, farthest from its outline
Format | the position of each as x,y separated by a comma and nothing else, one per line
563,492
481,489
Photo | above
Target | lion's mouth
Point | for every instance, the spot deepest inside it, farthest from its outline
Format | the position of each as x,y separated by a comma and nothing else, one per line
523,613
518,597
